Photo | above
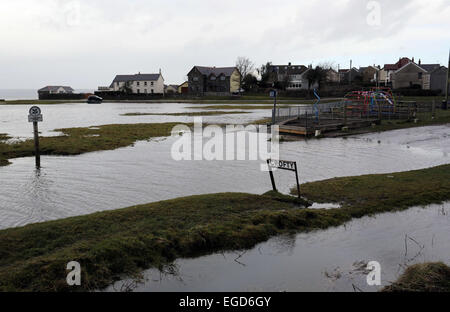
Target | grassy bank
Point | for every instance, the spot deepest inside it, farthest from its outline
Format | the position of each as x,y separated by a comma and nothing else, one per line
113,244
187,114
76,141
424,277
369,194
424,119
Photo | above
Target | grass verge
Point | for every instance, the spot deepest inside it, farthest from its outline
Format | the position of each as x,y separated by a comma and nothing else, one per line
76,141
424,277
111,245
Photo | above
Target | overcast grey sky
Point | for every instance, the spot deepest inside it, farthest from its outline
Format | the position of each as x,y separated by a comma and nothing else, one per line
85,43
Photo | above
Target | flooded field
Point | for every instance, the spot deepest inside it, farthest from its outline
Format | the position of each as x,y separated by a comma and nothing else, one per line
330,260
70,186
14,118
320,261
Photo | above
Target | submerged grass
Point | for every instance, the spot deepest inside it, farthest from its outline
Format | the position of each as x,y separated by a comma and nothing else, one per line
423,277
111,245
76,141
188,114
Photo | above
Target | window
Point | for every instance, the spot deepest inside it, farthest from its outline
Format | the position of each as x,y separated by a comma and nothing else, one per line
195,78
138,91
153,91
145,83
213,78
152,83
138,83
222,78
420,75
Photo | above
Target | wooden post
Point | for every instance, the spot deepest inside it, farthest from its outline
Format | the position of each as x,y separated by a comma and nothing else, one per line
298,183
272,178
36,144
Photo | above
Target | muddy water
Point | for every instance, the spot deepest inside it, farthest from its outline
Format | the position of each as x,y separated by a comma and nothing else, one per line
330,260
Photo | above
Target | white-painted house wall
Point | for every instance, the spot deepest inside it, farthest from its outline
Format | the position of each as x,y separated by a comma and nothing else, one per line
143,87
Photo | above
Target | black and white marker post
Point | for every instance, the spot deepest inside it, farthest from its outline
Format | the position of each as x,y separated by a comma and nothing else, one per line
35,116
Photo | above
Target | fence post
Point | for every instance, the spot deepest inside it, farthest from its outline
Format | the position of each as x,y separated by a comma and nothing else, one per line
433,109
345,112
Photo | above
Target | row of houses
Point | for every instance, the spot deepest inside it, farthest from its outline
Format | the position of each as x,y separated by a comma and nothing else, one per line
406,73
201,81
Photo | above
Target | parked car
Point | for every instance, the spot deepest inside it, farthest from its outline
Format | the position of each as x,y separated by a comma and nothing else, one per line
93,99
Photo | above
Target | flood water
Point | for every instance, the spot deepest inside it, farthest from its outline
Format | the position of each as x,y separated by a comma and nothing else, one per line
146,172
331,260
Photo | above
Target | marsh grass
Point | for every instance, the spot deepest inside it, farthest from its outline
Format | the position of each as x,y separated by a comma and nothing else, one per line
423,277
76,141
112,245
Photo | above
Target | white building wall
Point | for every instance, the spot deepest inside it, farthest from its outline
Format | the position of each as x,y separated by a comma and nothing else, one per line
143,87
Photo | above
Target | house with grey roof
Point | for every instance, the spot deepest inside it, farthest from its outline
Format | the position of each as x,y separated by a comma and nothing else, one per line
55,90
422,76
292,77
138,84
214,80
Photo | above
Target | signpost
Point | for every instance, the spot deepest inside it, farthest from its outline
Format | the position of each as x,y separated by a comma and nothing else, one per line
283,165
274,94
35,116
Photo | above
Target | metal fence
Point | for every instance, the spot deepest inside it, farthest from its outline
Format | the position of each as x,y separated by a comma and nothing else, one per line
346,109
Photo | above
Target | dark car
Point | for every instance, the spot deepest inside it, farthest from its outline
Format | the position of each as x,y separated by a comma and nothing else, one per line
93,99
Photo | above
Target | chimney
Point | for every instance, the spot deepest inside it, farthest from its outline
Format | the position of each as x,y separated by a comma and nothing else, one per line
413,59
290,64
160,71
420,62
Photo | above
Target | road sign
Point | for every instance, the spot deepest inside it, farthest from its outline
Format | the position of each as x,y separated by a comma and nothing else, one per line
283,165
35,115
34,111
273,93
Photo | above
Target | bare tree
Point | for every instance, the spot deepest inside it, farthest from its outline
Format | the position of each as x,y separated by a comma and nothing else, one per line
245,67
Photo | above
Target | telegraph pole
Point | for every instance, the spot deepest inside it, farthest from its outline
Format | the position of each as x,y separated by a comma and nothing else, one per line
448,80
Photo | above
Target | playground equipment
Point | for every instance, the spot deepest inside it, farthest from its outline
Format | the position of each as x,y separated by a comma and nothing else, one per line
375,102
316,105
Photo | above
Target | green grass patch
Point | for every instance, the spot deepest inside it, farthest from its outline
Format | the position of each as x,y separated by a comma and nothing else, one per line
76,141
187,114
111,245
424,119
377,193
424,277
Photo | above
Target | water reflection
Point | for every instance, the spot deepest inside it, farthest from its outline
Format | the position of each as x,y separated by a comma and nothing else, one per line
332,260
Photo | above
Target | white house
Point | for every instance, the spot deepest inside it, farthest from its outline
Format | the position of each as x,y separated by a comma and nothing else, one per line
139,83
56,90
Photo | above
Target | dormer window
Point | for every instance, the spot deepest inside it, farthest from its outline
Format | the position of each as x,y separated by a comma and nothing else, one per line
213,78
222,78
